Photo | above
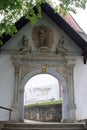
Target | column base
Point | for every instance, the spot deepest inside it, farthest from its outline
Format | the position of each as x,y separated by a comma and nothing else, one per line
67,121
15,113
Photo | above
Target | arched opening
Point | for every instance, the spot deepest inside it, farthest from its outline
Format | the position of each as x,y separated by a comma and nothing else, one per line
43,98
65,112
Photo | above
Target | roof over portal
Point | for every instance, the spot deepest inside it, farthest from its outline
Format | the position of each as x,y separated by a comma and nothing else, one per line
61,22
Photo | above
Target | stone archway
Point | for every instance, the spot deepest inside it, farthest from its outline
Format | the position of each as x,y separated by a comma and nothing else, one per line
59,66
65,114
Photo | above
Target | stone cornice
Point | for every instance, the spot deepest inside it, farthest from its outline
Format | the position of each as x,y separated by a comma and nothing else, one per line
34,59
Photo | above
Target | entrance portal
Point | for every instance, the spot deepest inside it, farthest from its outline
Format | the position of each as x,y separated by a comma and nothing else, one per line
65,112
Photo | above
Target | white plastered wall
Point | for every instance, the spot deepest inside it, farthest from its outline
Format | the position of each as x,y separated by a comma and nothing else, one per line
80,84
6,85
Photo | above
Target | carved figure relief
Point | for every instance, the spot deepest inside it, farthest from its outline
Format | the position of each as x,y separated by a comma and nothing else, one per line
42,37
25,48
60,47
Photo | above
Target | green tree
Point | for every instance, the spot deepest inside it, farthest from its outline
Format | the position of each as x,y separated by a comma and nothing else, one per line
12,10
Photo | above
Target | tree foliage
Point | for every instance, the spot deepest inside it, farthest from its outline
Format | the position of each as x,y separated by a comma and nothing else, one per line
71,5
12,10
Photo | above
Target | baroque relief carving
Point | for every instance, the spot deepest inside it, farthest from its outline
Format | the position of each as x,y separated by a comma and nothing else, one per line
60,47
42,37
26,49
24,71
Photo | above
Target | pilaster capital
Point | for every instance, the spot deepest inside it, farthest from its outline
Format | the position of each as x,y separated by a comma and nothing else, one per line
16,63
16,69
69,66
70,61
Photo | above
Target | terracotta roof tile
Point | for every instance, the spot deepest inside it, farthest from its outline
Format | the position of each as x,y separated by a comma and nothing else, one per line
70,20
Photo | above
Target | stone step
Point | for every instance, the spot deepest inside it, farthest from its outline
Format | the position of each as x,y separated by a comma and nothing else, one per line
44,125
11,128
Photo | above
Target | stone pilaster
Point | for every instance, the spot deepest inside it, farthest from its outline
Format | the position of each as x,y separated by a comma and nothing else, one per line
15,105
21,105
16,83
70,80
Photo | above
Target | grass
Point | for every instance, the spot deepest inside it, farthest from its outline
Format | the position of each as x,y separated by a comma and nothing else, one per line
45,103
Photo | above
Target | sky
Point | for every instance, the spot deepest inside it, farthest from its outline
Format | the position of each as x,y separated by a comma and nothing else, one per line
49,89
42,80
80,17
